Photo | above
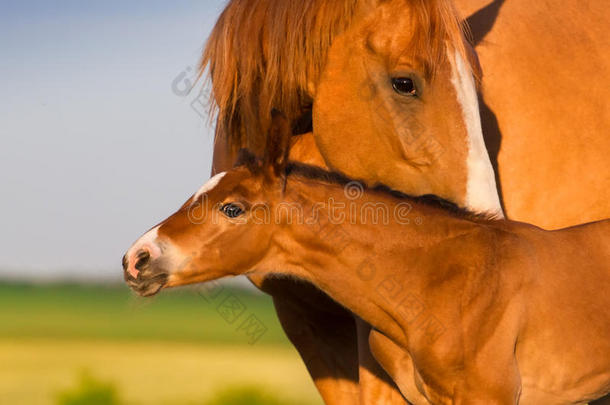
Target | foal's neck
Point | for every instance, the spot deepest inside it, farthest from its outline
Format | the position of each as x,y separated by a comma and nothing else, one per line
365,258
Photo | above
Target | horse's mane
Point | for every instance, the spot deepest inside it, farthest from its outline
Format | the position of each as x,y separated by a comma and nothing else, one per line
295,169
262,54
291,169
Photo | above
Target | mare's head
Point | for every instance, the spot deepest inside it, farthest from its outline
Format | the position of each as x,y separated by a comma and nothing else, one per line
388,83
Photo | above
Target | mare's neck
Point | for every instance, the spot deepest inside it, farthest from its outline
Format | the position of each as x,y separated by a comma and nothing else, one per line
365,266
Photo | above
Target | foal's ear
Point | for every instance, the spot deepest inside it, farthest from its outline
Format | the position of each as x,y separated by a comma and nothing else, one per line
278,143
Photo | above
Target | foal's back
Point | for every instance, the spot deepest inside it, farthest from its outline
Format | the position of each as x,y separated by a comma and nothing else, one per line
566,334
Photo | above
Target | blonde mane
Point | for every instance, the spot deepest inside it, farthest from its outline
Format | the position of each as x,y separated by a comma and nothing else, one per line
263,54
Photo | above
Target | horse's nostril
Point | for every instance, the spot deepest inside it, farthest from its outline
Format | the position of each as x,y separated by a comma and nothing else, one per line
125,262
142,259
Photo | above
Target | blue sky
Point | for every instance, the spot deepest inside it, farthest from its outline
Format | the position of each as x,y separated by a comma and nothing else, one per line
96,146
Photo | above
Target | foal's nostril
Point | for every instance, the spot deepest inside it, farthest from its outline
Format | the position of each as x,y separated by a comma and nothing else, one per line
142,259
125,263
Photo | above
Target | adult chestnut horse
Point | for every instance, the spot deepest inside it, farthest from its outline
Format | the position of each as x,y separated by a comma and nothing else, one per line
466,309
545,86
545,81
411,120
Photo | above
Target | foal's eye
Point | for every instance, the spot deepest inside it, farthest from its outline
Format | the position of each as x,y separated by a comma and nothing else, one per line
232,210
404,86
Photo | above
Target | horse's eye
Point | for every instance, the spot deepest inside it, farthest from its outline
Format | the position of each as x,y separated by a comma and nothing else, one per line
404,86
232,210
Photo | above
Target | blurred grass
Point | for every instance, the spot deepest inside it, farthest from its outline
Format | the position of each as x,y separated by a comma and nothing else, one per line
248,395
115,313
172,349
90,391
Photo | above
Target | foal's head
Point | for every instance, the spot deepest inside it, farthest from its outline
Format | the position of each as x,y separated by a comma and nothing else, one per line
213,235
210,236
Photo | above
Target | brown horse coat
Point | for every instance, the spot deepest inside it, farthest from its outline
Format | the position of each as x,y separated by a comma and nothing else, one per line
481,310
543,104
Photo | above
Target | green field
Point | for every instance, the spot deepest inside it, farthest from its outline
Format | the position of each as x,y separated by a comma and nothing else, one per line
73,344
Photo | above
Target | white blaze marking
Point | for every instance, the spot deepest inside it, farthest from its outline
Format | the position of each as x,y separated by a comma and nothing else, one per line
481,191
213,182
148,239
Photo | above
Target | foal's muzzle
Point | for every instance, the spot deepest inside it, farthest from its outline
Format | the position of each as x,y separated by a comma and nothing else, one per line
142,273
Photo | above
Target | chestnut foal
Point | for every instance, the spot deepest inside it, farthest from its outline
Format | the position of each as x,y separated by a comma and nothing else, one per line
466,309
